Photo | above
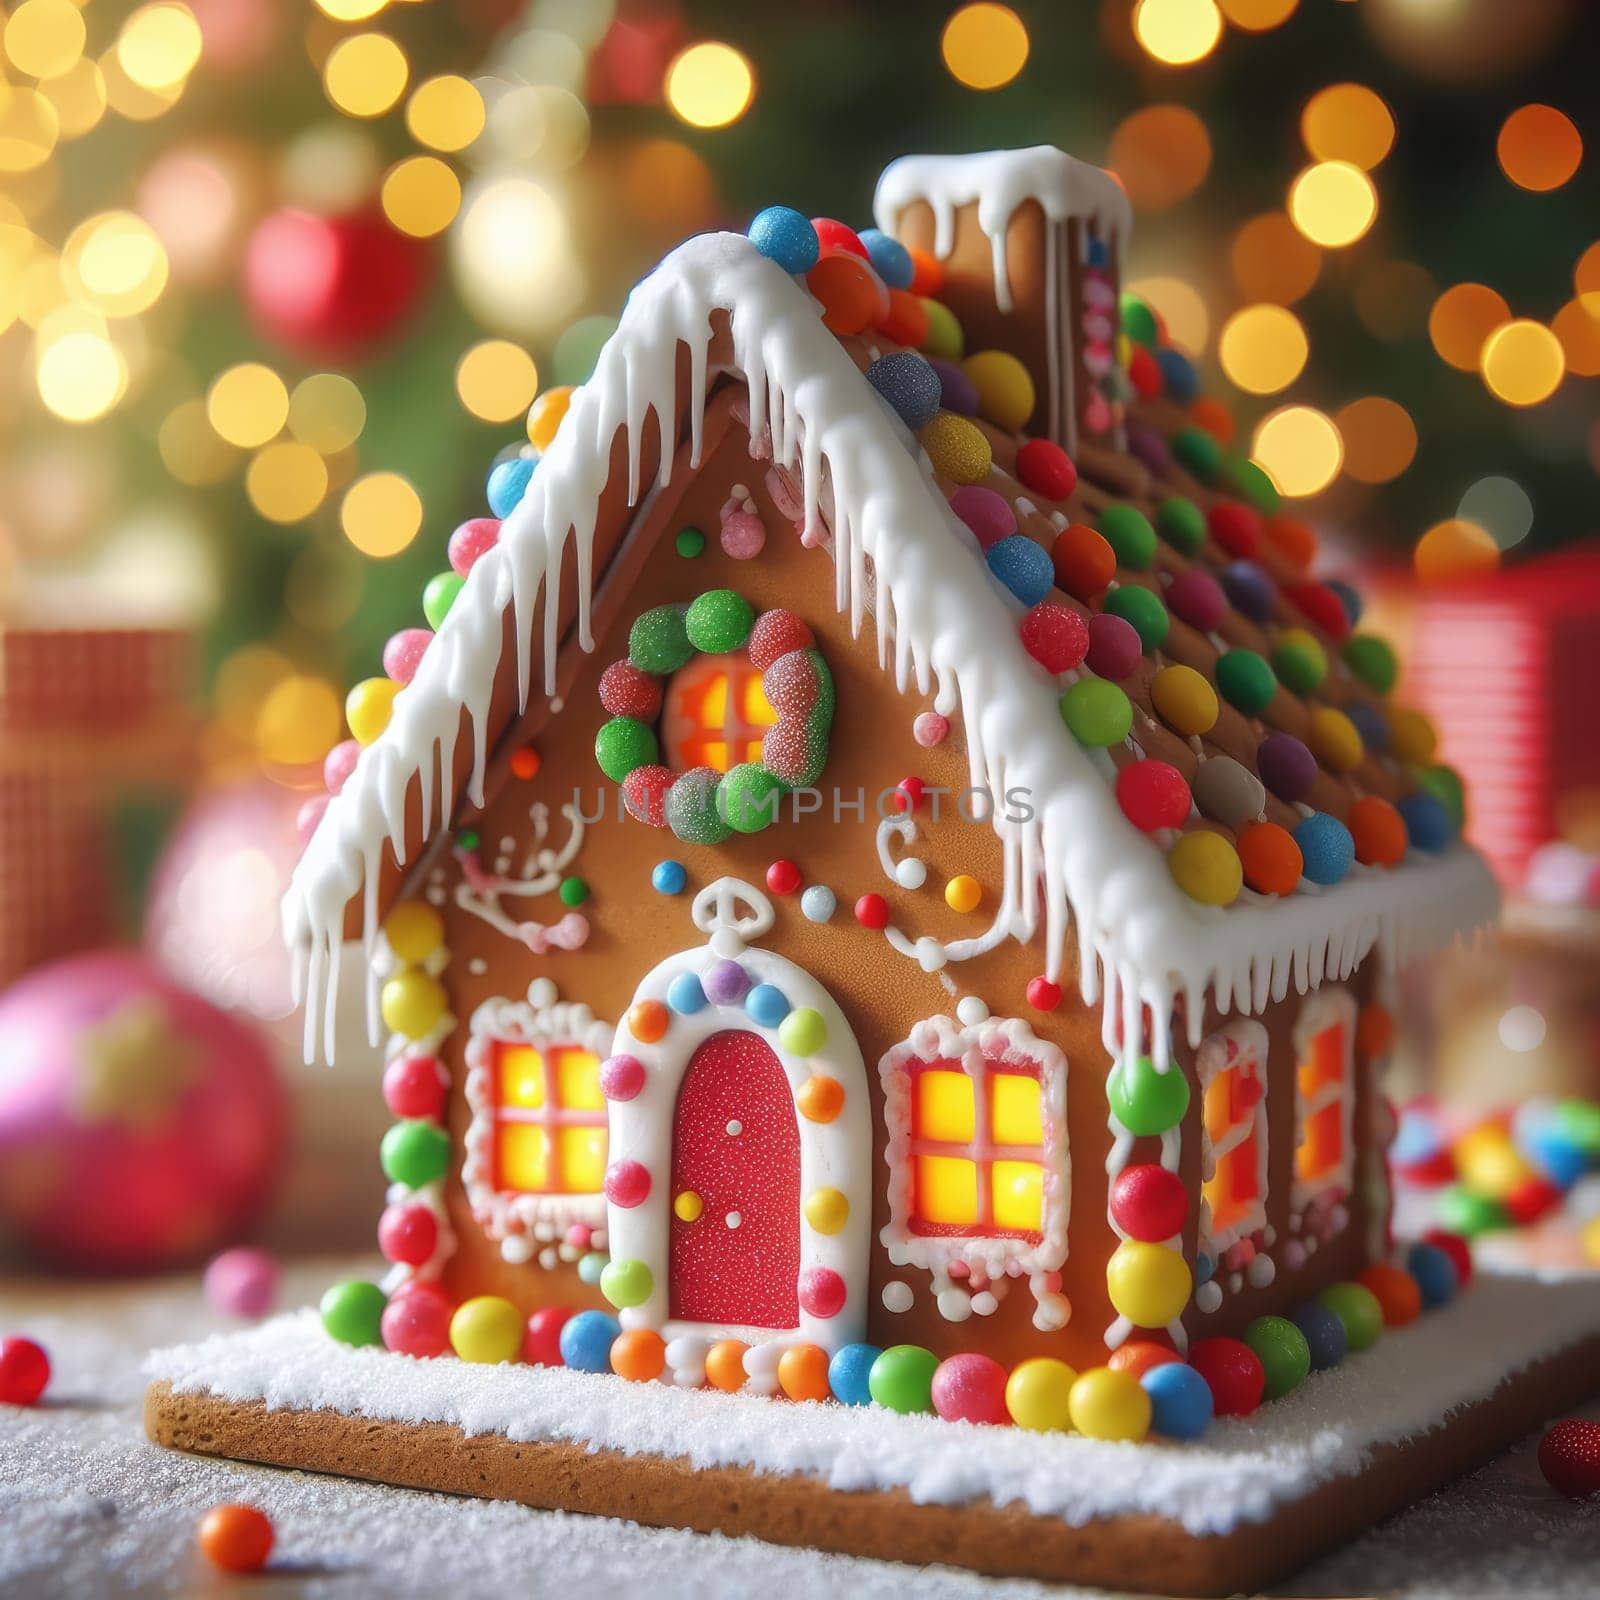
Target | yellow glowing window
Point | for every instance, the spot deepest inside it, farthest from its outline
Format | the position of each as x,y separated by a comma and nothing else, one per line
1323,1067
1323,1080
550,1120
947,1191
946,1107
1017,1113
1232,1101
717,714
1019,1196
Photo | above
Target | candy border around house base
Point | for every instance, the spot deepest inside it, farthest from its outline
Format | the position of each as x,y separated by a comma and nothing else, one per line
1256,1499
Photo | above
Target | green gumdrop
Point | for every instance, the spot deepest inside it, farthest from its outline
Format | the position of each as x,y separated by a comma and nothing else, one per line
719,621
1444,784
1139,321
439,596
573,891
1283,1352
902,1378
578,348
1199,452
414,1153
803,1032
691,808
749,797
1299,664
1145,1101
658,642
1145,610
1252,483
1097,712
1357,1308
1579,1120
1182,524
1372,661
624,743
1246,681
1461,1211
352,1312
689,543
626,1283
1127,530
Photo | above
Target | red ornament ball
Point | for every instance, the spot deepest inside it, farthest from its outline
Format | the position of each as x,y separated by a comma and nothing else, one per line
1569,1458
1153,795
833,235
822,1292
408,1233
541,1344
236,1538
970,1388
413,1086
1233,1372
1149,1203
1045,468
1457,1248
1236,527
1056,637
626,691
24,1371
1043,994
416,1321
627,1184
872,911
783,877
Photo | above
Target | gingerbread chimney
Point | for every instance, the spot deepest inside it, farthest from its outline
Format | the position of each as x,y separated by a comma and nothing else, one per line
1032,244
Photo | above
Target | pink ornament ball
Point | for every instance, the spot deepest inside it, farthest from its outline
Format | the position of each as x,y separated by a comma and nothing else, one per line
408,1234
24,1371
1149,1203
339,763
309,815
1056,637
242,1283
413,1086
621,1077
970,1388
541,1344
986,513
471,541
822,1292
416,1321
743,535
1114,646
930,729
627,1184
402,655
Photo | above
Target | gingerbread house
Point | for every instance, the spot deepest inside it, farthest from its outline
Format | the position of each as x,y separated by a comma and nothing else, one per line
887,843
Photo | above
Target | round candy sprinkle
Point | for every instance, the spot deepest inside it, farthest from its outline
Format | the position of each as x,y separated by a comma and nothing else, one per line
1358,1310
413,1086
508,483
487,1329
1283,1352
1084,561
970,1388
1038,1395
624,743
783,877
826,1211
818,903
1055,636
1236,528
1214,418
1178,376
1287,768
1246,681
1292,539
956,389
1233,1372
803,1372
668,877
1046,469
471,541
1184,700
627,1283
1434,1273
743,535
986,513
767,1004
352,1312
1250,588
1327,847
1348,598
785,236
414,1153
1227,792
835,235
416,1321
890,259
242,1282
1098,713
368,708
1372,660
821,1292
719,621
910,385
944,338
930,729
590,1267
1106,1404
1144,373
1182,524
1023,567
902,1378
1144,609
1206,867
963,892
658,641
1428,823
1139,321
725,1365
627,691
852,295
1411,736
1153,795
1318,602
573,892
638,1354
647,1020
727,983
849,1373
1333,738
412,1003
408,1234
1197,598
1299,660
957,449
689,542
1044,994
1114,646
1005,390
341,760
1149,449
24,1371
1444,784
1149,1203
586,1341
235,1538
749,797
1198,452
686,995
1378,832
546,415
525,763
803,1031
1144,1101
1395,1290
907,320
1270,857
1245,477
1127,529
1180,1400
1137,1356
1148,1284
1323,1332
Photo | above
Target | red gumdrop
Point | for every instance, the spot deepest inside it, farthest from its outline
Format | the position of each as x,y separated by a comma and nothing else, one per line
1044,994
1114,646
1457,1248
627,691
24,1371
970,1388
541,1344
1055,636
1149,1203
1318,602
472,540
821,1292
1153,795
775,634
416,1321
402,655
413,1086
1233,1372
1236,527
834,235
783,877
852,294
872,911
1197,598
309,815
339,763
1531,1199
408,1234
1144,373
644,793
1047,469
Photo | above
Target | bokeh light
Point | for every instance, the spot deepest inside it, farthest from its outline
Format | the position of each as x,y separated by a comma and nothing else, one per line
1181,307
1393,298
381,514
1257,16
193,200
29,128
666,183
1578,329
1501,507
116,262
496,380
286,481
1348,122
81,375
159,46
1539,148
351,10
1522,362
513,255
1380,439
984,46
421,195
1162,154
191,449
1299,448
326,411
1177,32
248,404
1454,548
710,85
298,722
1461,321
323,587
445,113
331,167
1263,348
1333,203
1586,279
78,97
136,101
365,74
1272,260
43,38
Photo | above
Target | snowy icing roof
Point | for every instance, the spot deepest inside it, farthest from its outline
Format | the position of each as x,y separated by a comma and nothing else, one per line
903,554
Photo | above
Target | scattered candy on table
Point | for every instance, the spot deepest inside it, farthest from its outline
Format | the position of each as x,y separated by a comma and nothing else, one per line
236,1538
24,1371
242,1282
1569,1458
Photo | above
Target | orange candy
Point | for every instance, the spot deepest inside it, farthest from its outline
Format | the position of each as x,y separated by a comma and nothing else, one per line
725,1365
907,321
1271,859
236,1538
1215,418
1293,540
820,1098
1396,1292
803,1372
1084,561
648,1021
525,762
927,272
853,296
1138,1356
1379,832
1374,1031
639,1354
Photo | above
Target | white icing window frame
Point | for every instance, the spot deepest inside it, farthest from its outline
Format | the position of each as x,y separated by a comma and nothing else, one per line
937,1040
542,1022
1321,1010
1231,1045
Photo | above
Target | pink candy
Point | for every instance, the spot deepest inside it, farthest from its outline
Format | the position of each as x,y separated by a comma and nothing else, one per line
1114,646
970,1388
309,815
627,1183
743,535
408,1234
339,763
413,1086
472,540
985,513
402,655
1197,598
416,1322
931,728
242,1283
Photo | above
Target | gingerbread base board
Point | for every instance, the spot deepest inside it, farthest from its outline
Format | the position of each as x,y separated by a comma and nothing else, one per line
1304,1475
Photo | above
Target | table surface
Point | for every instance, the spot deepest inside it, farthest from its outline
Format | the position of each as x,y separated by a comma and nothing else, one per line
88,1507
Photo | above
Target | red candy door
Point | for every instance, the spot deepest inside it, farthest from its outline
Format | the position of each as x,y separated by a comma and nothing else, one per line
735,1254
